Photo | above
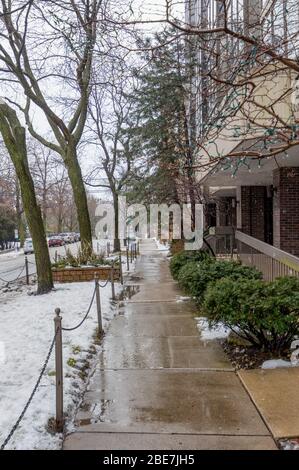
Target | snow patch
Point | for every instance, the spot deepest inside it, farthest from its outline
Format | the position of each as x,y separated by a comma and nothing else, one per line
162,246
26,333
207,333
182,299
275,364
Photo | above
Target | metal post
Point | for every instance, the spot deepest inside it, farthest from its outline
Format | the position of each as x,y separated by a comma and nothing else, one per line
26,270
135,250
131,253
120,269
112,282
128,261
59,371
138,248
98,247
56,256
99,309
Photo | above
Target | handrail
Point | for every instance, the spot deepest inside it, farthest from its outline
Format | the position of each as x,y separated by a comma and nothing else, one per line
291,261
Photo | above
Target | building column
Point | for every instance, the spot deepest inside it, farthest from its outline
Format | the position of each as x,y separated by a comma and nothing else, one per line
286,209
253,211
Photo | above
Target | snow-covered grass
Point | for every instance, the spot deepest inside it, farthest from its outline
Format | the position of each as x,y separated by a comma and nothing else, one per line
207,333
26,332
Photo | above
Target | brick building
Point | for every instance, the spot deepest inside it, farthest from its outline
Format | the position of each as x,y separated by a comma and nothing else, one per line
263,203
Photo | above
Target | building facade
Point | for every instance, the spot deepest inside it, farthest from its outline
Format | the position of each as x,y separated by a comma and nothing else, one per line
250,185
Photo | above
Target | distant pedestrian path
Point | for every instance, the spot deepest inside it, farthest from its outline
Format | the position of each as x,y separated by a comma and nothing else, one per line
157,385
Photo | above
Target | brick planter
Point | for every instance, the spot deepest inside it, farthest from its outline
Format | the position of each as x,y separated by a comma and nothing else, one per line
83,274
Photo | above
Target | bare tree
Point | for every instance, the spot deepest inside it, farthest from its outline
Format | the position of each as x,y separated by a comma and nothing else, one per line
110,112
45,166
53,43
14,136
240,48
10,191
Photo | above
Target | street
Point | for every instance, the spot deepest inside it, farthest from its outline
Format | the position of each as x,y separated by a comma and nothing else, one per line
11,264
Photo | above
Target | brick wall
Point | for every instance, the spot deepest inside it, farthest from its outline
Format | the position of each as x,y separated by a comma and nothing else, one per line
83,274
253,211
286,209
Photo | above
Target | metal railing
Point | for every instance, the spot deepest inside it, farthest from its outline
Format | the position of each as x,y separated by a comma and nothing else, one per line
222,241
271,261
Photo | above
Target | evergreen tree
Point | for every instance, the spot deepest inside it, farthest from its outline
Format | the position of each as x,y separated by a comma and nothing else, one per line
162,137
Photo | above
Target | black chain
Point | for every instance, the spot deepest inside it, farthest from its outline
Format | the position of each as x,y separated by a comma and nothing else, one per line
14,280
104,285
85,316
10,270
29,262
17,423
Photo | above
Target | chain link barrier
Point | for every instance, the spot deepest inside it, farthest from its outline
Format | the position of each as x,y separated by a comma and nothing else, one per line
17,423
13,280
104,285
21,416
85,316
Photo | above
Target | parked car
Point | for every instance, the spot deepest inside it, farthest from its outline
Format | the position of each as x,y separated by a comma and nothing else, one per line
28,246
56,241
66,237
76,237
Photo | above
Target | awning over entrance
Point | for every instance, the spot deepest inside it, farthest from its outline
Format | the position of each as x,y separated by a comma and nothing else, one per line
249,171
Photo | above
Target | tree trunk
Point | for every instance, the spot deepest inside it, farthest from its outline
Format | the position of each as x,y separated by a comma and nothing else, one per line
75,176
20,219
116,242
15,140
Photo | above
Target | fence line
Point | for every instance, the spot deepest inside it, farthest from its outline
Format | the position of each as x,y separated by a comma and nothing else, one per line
19,277
17,423
13,280
271,261
57,342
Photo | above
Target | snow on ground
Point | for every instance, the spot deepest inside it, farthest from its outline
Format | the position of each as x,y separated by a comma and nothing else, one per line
26,332
162,246
12,254
275,364
207,333
289,444
181,299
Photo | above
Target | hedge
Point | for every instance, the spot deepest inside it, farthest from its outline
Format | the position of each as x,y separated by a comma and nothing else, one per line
264,313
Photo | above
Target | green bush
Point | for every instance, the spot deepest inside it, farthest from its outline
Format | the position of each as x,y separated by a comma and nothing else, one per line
83,259
195,277
180,259
265,314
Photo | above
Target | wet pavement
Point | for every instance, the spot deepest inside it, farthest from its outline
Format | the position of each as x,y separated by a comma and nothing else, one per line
157,385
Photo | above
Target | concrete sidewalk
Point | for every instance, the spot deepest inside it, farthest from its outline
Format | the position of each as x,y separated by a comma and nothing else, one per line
275,394
157,385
